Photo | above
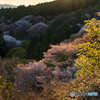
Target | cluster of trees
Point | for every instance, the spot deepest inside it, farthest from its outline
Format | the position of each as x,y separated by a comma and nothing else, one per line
48,10
89,53
2,47
89,75
59,29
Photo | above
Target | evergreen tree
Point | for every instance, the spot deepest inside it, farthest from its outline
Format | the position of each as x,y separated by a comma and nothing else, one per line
45,44
34,41
36,54
2,47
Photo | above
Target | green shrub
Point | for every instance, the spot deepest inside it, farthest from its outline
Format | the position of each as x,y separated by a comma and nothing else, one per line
75,28
36,52
62,58
60,27
34,41
17,52
49,64
25,61
72,37
58,30
45,43
89,53
24,44
80,17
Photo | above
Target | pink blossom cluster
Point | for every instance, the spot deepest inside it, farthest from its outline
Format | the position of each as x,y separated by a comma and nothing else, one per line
56,51
33,74
27,75
37,29
37,72
64,49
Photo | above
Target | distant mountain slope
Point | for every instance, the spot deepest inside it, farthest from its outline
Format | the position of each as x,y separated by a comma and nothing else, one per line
7,6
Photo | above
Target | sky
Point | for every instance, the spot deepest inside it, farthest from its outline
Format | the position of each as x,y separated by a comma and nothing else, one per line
23,2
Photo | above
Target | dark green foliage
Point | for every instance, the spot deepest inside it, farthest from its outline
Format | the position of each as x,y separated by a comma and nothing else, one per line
45,43
72,37
41,37
24,44
25,61
2,47
53,39
37,46
34,41
49,18
74,29
80,17
49,64
64,31
58,30
57,22
36,52
54,8
1,80
62,58
17,52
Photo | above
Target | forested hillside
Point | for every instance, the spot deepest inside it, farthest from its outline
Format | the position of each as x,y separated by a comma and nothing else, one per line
50,49
48,10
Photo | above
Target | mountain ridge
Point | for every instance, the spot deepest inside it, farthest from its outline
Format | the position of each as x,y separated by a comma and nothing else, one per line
7,6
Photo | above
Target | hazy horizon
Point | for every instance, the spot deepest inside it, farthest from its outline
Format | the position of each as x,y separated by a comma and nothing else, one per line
23,2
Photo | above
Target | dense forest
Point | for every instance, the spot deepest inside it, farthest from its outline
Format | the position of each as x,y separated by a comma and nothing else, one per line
50,49
57,15
48,10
